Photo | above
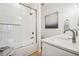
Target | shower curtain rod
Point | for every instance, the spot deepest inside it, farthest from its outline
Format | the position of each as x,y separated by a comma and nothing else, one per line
27,6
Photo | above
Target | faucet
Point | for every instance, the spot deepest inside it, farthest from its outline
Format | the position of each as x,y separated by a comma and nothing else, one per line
76,32
74,37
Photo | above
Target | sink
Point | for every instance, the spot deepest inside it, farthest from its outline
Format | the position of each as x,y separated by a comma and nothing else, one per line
66,42
61,38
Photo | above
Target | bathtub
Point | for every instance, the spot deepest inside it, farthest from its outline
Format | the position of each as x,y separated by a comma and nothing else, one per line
24,50
60,45
19,49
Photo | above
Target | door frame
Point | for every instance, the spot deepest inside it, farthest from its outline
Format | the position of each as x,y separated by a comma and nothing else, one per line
35,17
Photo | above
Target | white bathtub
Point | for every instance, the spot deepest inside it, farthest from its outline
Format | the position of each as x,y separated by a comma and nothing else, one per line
24,50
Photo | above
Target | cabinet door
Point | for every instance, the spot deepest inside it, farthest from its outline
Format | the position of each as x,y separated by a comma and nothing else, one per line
54,51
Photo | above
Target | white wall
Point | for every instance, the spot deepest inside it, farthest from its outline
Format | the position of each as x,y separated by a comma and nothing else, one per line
66,11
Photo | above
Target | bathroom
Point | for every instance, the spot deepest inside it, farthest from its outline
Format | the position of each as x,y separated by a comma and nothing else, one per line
36,29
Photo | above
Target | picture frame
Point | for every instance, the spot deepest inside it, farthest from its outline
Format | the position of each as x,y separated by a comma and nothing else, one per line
51,21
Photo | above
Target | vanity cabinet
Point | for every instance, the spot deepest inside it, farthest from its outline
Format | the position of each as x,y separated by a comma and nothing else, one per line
50,50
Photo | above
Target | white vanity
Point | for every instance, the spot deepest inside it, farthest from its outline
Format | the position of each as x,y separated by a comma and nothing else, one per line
60,45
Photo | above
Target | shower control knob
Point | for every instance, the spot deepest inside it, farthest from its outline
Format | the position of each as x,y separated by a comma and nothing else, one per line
32,37
30,13
32,32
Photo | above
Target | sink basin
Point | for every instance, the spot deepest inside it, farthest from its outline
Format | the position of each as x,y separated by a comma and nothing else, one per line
62,39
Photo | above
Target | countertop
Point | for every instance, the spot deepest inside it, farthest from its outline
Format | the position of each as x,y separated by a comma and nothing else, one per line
63,42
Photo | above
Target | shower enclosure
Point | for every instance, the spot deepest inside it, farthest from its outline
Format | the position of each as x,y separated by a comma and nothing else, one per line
18,28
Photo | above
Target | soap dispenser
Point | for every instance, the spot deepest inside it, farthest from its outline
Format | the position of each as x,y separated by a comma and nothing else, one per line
66,25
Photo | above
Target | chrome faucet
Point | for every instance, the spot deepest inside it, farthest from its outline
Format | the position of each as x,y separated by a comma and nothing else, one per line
76,32
74,37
